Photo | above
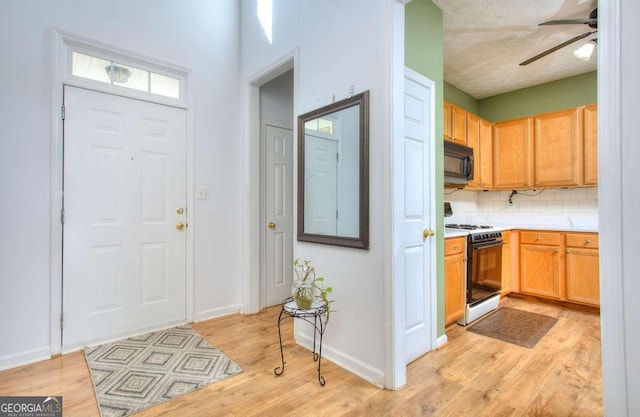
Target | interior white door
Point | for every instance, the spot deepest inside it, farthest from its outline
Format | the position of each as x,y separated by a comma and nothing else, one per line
279,213
321,175
124,200
413,208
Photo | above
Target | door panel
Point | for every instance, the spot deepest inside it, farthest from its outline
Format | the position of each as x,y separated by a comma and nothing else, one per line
279,214
414,208
124,178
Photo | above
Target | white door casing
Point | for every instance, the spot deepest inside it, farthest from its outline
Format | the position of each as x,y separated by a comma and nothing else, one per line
415,244
321,192
124,183
278,213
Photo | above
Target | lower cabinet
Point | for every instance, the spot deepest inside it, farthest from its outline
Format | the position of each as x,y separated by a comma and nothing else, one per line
454,279
560,266
583,263
505,287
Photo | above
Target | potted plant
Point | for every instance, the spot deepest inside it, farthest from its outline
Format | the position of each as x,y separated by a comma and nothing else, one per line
307,287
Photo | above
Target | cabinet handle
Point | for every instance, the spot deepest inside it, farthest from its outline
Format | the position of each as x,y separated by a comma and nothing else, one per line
538,238
456,247
557,251
587,242
568,251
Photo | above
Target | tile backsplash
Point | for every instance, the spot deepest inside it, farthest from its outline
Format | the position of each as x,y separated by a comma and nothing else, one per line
581,202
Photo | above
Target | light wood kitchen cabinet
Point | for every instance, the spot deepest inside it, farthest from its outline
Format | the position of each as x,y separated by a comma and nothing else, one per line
560,266
557,148
479,137
505,287
590,121
583,281
455,124
454,279
512,154
540,264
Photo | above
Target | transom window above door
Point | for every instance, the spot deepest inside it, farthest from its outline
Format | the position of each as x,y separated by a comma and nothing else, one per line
128,76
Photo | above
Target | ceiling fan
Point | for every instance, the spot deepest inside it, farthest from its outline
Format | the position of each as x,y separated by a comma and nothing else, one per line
592,22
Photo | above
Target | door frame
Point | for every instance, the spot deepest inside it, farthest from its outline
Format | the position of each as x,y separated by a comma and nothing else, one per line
254,212
63,42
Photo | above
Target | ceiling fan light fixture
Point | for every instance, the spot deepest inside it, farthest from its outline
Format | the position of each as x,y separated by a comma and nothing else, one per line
585,51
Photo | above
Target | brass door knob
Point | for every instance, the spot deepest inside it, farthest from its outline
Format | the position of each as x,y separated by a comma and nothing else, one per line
427,233
271,225
179,210
180,226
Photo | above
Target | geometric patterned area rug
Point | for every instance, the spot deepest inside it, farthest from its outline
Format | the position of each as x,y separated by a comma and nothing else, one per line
133,374
518,327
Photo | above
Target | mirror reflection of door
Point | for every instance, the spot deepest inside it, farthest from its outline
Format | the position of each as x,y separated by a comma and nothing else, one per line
321,176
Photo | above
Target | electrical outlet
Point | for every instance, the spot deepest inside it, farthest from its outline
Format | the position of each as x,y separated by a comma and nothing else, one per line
202,193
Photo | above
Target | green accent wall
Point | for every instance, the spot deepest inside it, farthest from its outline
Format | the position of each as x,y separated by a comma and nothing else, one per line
458,97
423,52
555,95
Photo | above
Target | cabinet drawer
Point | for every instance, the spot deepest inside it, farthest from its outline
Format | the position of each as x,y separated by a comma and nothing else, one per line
454,245
540,238
583,240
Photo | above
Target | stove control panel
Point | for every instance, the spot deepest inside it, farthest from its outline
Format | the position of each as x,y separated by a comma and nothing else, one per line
484,236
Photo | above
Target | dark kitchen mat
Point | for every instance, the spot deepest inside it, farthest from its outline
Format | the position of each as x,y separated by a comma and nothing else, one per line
519,327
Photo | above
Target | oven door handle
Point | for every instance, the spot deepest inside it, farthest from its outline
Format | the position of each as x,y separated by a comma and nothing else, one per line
485,245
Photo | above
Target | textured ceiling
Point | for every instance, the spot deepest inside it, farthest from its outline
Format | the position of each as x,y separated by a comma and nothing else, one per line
485,41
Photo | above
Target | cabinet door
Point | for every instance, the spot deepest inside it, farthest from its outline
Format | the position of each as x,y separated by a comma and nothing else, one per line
506,263
591,145
454,288
540,270
459,125
473,141
486,154
557,148
512,153
446,123
583,282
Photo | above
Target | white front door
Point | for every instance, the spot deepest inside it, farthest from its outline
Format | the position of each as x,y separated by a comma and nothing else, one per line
414,256
124,198
279,213
321,190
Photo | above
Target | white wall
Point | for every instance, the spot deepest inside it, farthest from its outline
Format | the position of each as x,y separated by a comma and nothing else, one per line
619,149
338,44
199,34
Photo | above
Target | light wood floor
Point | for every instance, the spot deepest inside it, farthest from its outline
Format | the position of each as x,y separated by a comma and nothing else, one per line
472,375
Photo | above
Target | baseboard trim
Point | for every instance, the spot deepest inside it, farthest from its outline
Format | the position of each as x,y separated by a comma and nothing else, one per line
560,303
217,312
442,340
351,364
24,358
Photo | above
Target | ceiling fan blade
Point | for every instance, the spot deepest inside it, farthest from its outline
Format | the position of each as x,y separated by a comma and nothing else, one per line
570,22
555,48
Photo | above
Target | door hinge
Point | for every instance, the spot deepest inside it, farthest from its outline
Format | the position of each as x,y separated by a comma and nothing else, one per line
62,216
61,321
337,157
336,214
62,112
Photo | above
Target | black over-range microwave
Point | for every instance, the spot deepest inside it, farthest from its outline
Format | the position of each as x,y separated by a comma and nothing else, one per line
458,163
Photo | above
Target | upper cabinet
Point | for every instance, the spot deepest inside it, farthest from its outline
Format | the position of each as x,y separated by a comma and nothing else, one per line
590,121
512,154
479,137
455,124
557,147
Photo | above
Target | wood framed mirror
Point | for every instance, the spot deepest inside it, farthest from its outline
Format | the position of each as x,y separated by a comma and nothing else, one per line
333,174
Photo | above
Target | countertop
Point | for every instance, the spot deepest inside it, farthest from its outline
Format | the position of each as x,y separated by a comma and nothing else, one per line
552,223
